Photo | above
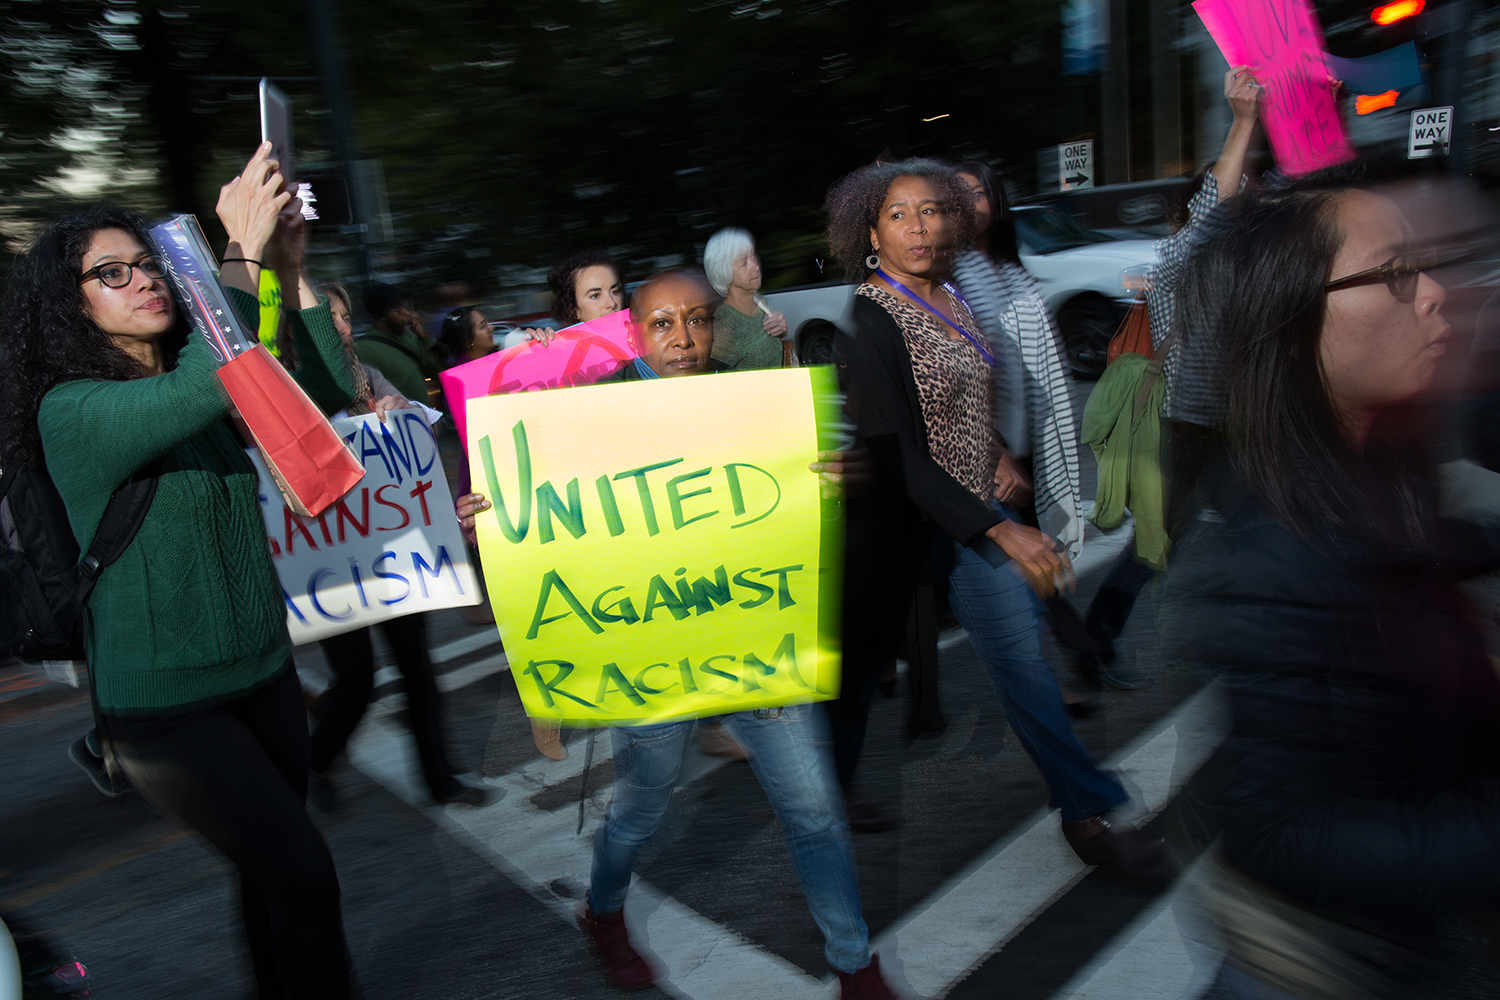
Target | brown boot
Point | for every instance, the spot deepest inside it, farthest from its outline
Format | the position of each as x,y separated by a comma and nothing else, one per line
547,735
622,964
866,984
1097,841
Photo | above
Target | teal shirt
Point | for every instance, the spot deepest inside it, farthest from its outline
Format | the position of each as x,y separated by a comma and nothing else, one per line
192,612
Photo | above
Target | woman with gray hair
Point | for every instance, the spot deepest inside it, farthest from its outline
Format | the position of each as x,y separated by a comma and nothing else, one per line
746,331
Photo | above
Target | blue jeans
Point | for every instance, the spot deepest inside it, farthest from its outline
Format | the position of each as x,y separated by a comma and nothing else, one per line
791,753
999,611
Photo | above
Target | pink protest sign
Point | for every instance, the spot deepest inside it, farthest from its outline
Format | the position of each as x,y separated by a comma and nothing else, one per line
1281,42
578,355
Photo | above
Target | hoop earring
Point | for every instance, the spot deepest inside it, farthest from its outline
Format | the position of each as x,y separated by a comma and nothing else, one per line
872,262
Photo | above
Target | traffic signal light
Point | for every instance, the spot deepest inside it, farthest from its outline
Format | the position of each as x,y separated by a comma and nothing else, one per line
1398,10
1366,103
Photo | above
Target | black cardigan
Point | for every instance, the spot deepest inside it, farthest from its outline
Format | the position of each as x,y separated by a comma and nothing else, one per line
875,371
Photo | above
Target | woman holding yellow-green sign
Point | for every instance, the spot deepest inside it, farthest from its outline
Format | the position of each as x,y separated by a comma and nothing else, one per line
918,371
672,317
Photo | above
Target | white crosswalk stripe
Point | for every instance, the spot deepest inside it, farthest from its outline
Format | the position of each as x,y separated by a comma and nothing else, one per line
977,911
927,953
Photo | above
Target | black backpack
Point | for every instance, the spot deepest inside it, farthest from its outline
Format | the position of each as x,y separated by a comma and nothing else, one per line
44,585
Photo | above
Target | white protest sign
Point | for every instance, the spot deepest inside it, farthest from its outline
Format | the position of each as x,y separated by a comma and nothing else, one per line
1430,134
1075,165
390,547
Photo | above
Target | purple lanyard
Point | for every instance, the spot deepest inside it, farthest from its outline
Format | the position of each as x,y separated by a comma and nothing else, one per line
989,358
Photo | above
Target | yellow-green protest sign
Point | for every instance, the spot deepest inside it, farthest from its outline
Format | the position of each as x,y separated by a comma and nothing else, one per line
659,550
270,309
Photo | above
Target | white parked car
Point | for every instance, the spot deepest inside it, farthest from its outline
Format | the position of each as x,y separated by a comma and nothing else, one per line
1079,271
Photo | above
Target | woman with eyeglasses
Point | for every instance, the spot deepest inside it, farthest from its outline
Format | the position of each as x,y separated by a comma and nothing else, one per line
188,650
1357,795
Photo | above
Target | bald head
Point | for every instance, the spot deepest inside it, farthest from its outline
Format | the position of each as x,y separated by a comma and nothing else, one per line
672,323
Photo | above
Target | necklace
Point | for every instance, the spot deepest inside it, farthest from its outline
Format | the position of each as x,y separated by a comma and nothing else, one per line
948,287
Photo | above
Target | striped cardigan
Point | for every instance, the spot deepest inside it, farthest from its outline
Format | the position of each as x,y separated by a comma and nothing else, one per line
1033,401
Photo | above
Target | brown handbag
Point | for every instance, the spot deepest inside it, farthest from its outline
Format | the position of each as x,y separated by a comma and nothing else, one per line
1134,335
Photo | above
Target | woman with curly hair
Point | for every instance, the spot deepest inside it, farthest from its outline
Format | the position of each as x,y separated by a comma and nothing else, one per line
917,370
186,632
585,286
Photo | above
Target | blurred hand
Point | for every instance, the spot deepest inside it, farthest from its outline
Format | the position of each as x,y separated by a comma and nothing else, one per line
285,251
843,473
466,507
412,320
1242,93
385,404
250,204
775,324
1012,486
541,334
1037,555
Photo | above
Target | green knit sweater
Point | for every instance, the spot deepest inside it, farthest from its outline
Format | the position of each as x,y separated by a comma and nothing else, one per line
741,342
192,612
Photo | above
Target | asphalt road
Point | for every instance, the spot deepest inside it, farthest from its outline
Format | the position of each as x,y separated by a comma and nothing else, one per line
976,895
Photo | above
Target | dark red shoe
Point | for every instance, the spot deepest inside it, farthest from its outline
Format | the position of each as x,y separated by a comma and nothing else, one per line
1097,841
866,984
622,964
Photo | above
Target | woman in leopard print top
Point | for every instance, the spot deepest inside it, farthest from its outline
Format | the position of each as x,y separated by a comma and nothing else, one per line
920,389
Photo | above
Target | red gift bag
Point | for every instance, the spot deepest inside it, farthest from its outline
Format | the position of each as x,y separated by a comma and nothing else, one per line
311,464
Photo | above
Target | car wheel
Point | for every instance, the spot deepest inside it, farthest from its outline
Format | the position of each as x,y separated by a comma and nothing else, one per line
1087,324
817,346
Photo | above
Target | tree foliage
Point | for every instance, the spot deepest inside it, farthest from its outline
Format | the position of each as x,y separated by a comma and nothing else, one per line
514,132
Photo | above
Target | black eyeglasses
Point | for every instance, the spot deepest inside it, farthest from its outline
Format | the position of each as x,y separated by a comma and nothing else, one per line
1401,272
117,273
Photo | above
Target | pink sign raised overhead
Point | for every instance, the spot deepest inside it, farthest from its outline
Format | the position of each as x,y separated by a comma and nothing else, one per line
1281,42
578,355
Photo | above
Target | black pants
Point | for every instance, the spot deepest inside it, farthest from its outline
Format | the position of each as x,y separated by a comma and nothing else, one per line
1186,450
1114,600
351,657
237,774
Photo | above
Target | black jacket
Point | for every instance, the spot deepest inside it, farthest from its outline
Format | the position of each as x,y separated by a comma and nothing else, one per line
1359,777
875,370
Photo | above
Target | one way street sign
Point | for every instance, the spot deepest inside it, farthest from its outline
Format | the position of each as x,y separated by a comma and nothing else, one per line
1431,133
1075,165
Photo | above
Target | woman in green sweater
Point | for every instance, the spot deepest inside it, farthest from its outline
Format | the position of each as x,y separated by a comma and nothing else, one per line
187,636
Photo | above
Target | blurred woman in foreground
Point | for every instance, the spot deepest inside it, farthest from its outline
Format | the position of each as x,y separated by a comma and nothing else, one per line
1358,792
